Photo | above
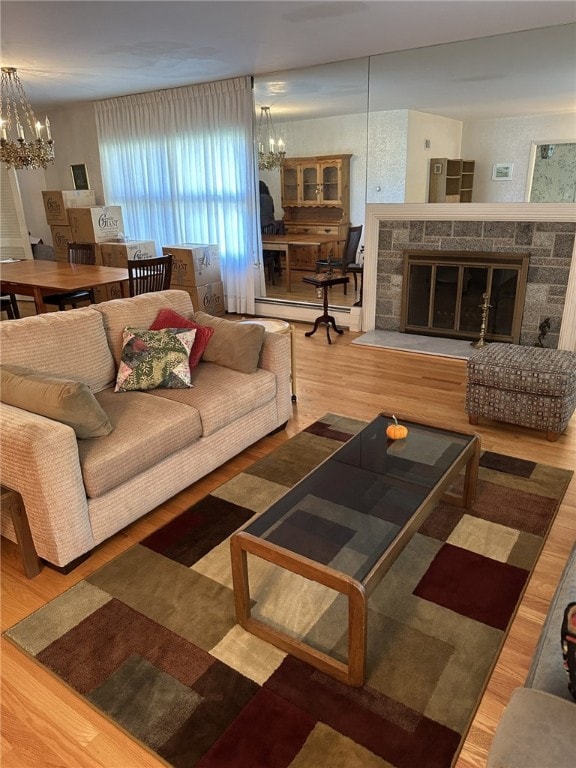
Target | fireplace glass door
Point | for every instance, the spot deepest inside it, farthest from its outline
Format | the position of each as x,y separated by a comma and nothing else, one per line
445,294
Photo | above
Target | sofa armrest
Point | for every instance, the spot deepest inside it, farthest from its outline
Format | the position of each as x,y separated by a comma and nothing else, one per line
275,356
39,460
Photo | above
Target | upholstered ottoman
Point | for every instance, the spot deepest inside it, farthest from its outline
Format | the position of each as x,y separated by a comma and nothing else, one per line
528,386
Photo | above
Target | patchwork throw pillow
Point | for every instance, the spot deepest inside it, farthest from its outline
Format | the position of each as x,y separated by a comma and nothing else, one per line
155,359
168,318
65,400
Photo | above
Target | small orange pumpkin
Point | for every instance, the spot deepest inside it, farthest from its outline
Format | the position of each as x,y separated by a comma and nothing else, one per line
396,431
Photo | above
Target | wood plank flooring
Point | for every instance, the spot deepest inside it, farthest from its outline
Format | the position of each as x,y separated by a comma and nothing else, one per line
45,725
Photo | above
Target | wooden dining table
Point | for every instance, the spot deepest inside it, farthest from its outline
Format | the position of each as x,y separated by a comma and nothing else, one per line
283,243
42,278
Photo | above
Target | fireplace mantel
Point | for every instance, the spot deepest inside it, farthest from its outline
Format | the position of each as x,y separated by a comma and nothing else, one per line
483,212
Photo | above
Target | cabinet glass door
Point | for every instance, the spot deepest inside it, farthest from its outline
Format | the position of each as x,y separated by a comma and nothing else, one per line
289,186
331,183
310,184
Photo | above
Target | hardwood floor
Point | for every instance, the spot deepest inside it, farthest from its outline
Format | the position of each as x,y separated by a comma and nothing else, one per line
45,725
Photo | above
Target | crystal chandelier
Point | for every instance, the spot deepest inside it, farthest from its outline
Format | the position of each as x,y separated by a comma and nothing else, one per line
271,151
16,118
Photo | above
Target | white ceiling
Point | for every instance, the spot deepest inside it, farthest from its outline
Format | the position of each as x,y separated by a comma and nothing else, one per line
81,50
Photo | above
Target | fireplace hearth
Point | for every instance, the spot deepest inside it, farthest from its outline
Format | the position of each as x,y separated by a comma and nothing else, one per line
443,293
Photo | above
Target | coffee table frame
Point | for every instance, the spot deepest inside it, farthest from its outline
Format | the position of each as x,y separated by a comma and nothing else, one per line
243,543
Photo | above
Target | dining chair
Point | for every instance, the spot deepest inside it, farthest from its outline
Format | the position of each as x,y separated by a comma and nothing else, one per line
147,275
9,305
78,253
348,257
271,259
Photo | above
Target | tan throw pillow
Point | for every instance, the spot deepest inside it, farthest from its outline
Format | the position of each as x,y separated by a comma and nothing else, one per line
70,402
233,345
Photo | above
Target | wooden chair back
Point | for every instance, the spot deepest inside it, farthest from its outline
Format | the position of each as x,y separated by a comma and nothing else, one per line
82,253
148,275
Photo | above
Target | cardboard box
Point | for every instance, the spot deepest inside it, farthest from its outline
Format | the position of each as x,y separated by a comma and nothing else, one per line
117,254
194,264
57,202
97,224
61,236
107,292
206,298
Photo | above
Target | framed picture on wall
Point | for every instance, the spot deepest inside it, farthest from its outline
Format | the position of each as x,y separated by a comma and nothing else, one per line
502,171
80,176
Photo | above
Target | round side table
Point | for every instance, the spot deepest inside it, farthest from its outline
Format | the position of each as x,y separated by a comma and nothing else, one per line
274,325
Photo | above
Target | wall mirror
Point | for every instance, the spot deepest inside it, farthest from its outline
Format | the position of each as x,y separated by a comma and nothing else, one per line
488,100
552,178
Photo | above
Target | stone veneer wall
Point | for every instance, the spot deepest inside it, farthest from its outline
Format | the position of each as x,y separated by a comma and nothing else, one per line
549,244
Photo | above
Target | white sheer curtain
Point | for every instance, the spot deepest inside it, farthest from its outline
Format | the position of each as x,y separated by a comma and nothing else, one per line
181,164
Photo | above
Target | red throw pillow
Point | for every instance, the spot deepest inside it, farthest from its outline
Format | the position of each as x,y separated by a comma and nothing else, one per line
168,318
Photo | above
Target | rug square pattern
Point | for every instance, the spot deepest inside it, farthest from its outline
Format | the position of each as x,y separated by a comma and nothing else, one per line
472,585
152,639
247,654
485,538
325,746
145,700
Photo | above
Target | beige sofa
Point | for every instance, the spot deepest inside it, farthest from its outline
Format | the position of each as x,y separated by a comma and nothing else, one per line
79,492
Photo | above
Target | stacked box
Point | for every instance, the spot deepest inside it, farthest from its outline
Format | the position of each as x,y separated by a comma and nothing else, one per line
61,236
206,298
193,264
97,224
57,202
108,292
117,254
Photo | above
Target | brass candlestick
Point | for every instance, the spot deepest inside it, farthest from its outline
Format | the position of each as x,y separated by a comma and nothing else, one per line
484,307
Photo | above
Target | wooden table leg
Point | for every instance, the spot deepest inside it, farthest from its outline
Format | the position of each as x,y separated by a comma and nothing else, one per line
41,308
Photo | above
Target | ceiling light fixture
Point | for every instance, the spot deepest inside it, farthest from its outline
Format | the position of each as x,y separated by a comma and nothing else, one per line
271,151
16,118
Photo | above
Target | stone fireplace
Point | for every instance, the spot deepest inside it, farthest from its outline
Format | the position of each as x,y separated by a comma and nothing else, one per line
545,234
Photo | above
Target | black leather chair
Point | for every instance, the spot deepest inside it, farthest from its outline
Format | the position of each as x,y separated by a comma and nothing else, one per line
78,253
348,257
147,275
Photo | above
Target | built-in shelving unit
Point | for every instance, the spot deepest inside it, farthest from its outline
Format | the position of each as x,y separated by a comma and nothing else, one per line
451,181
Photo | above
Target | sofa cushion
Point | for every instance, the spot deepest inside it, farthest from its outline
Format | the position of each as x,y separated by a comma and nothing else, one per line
146,431
152,359
69,344
70,402
223,395
233,345
536,731
138,312
167,318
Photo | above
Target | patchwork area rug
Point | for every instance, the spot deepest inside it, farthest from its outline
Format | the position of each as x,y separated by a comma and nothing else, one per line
151,638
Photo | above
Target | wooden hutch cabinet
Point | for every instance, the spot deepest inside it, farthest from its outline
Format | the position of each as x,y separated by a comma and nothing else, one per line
316,200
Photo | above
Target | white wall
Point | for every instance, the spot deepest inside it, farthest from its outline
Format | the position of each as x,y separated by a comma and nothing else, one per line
387,149
509,140
445,137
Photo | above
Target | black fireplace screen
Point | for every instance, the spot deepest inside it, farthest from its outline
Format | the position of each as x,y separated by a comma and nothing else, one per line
444,294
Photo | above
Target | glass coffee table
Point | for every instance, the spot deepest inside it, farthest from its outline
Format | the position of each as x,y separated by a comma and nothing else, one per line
346,522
